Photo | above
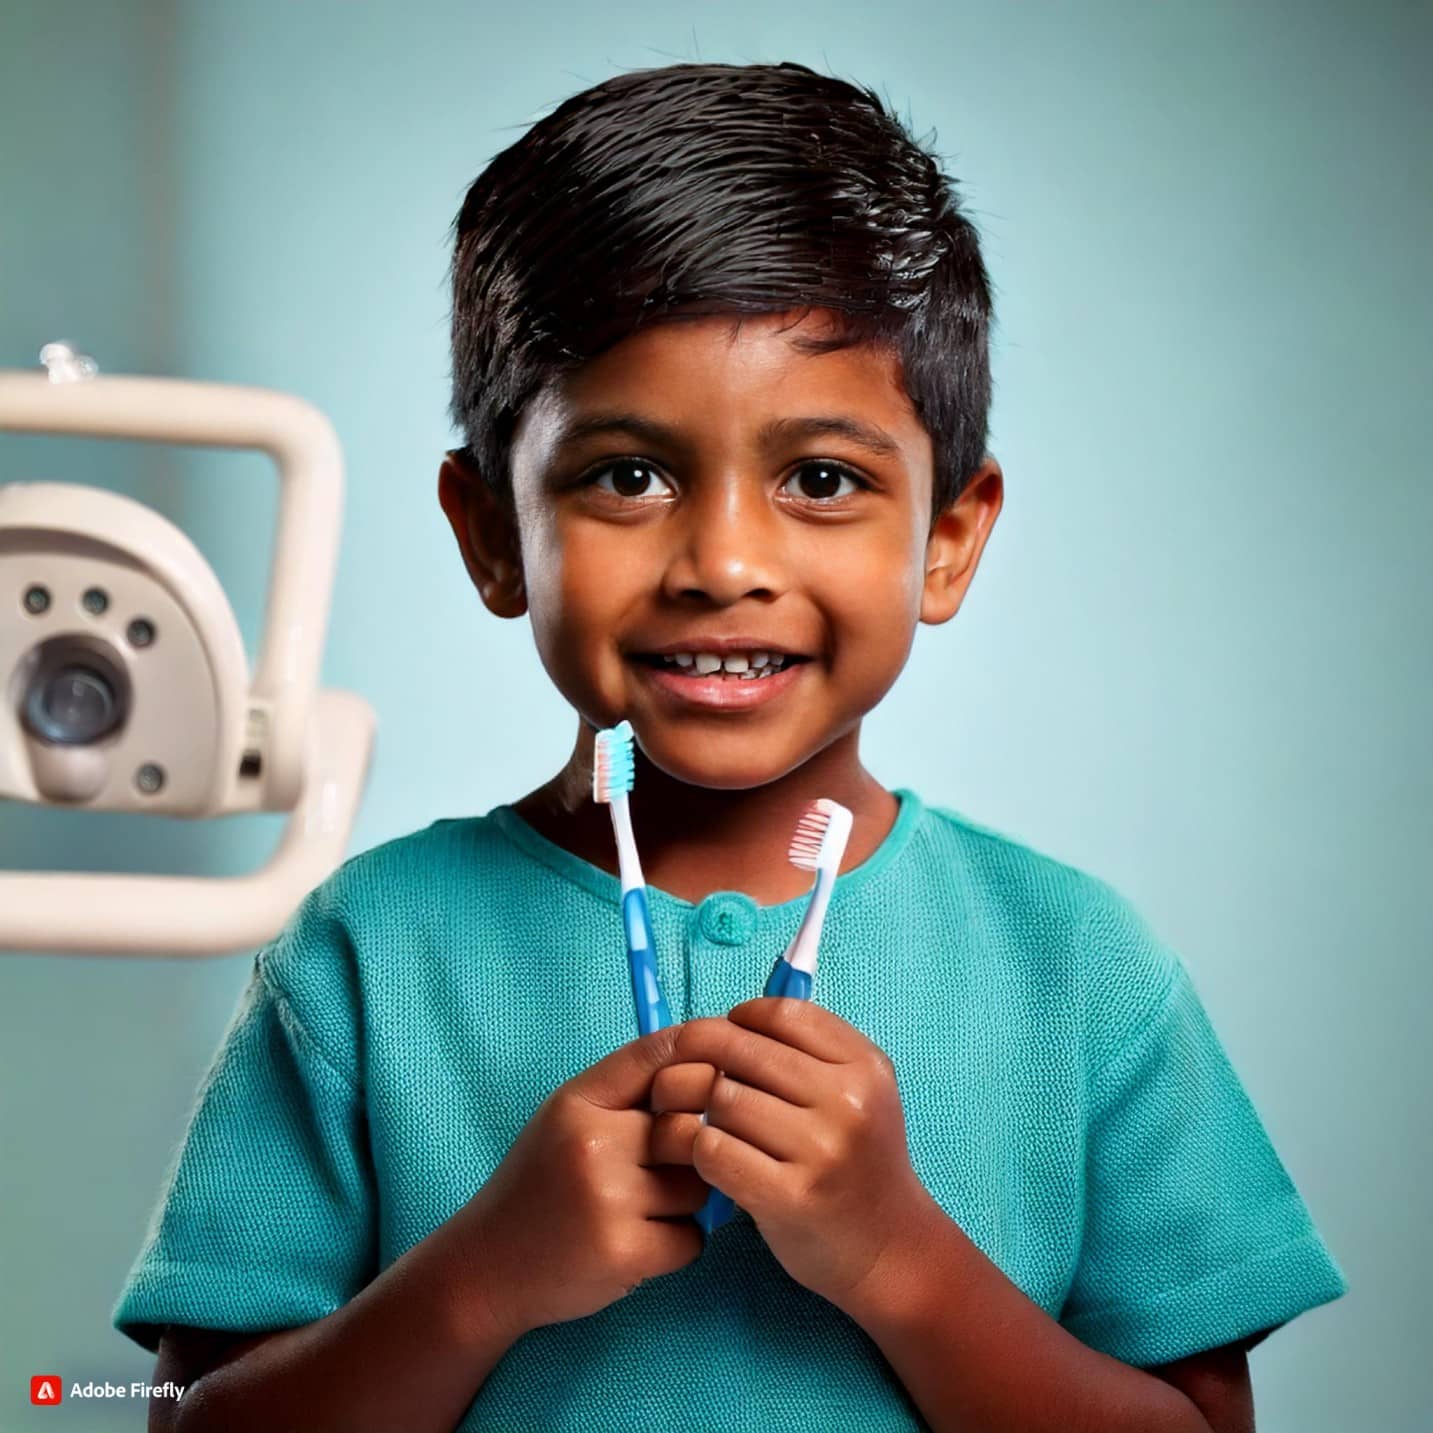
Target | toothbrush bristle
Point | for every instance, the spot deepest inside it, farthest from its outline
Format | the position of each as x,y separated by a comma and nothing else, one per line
811,832
613,765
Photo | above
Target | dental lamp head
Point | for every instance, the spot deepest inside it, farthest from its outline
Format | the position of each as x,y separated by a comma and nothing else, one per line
127,686
124,684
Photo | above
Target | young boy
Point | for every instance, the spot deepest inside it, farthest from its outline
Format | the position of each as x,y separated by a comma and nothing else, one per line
720,357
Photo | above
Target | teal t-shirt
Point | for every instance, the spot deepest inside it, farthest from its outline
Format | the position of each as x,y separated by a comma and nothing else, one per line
1066,1103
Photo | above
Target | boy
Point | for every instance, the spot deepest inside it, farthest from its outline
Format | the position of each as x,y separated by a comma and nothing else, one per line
720,356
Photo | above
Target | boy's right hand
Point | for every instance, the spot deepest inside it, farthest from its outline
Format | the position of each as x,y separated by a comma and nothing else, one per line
578,1213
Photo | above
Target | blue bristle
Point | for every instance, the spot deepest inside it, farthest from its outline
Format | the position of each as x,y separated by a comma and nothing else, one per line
614,767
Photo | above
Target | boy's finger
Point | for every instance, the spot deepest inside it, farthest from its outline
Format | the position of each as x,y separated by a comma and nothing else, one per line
674,1191
755,1059
765,1122
683,1087
672,1138
622,1080
745,1174
802,1024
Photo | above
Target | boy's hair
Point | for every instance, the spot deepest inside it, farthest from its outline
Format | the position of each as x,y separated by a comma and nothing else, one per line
717,189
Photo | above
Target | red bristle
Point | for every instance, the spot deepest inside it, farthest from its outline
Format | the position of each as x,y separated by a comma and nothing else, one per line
805,847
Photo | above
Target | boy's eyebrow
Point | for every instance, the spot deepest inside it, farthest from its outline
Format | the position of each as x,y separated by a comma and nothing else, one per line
863,434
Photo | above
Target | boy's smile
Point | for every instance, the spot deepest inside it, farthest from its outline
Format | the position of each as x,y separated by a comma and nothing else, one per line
704,491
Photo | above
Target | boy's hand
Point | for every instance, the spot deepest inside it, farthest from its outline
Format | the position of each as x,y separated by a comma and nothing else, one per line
579,1212
805,1132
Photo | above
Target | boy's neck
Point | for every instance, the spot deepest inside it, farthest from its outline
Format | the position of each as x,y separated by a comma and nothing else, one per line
694,840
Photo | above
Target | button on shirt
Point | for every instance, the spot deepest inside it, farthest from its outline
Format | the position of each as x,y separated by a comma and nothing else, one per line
725,962
726,918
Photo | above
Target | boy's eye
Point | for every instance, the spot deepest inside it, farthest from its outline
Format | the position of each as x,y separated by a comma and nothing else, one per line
630,478
821,479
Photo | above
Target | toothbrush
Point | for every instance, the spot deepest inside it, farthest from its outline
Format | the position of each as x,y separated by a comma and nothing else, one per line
613,771
817,844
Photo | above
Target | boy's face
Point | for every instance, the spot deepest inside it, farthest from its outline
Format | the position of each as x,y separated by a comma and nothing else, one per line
706,508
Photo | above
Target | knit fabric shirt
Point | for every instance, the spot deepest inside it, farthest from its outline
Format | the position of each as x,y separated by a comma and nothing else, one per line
1066,1103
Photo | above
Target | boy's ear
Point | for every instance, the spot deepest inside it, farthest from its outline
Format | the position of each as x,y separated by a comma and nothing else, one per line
957,538
486,530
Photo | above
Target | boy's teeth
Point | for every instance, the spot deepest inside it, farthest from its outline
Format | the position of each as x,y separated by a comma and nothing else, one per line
745,665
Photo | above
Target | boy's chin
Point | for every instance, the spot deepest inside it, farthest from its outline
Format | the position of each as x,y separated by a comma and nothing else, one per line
720,765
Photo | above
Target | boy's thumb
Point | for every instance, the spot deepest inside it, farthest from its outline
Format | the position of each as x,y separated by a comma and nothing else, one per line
623,1079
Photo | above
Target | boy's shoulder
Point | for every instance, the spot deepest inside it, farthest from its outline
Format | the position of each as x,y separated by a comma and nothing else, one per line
427,851
402,880
380,904
443,850
1010,872
1053,907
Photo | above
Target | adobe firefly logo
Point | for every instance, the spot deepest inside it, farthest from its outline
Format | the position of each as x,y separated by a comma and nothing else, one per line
46,1388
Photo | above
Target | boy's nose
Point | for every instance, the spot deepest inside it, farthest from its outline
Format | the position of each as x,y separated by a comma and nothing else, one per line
729,545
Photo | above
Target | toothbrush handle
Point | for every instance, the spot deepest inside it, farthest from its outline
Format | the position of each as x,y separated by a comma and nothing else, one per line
784,979
652,1013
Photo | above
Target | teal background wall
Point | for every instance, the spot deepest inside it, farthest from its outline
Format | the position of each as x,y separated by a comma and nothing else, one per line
1195,660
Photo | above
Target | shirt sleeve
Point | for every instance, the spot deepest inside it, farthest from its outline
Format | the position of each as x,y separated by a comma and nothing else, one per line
267,1215
1194,1234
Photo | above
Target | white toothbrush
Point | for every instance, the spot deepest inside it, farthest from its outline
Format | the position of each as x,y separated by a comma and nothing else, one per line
818,844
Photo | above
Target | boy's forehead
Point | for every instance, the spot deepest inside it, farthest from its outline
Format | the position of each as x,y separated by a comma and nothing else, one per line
721,375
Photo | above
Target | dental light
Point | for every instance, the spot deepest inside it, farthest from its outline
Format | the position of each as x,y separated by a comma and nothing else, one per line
124,684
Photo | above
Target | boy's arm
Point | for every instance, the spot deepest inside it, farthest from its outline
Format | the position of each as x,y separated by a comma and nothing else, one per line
978,1356
406,1352
1217,1382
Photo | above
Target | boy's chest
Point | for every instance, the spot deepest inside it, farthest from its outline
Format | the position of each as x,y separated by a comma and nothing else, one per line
988,1065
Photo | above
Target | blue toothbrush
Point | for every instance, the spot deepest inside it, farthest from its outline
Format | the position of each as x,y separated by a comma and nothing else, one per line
613,771
818,844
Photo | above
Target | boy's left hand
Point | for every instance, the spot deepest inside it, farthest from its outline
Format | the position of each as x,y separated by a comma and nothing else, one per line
805,1132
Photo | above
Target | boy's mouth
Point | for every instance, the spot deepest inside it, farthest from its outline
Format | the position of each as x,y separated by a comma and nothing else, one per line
749,666
733,679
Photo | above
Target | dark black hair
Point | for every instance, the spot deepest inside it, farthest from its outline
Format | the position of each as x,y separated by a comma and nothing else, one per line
717,189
